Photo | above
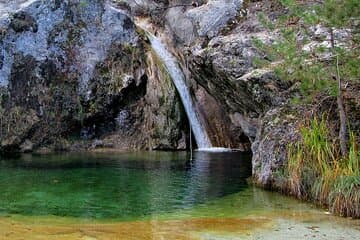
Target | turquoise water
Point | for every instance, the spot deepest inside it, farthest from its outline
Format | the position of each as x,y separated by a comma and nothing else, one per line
119,186
157,195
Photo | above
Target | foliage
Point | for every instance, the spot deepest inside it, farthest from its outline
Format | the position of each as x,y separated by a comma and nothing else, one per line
316,170
301,55
318,45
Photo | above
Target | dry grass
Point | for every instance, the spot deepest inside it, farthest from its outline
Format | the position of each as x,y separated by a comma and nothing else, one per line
316,170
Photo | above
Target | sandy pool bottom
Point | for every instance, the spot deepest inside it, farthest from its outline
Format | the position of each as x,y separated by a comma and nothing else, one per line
271,226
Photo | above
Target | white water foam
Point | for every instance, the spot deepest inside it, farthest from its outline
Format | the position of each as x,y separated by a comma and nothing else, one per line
217,149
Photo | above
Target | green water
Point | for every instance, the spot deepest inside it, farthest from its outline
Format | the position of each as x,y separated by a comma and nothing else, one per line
158,195
120,186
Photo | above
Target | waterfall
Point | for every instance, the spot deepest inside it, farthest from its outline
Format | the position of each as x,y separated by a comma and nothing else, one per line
175,72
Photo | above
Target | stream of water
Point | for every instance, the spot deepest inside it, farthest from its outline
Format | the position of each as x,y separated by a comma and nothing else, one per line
174,70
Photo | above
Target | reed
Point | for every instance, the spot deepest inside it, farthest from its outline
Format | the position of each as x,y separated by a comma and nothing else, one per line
316,171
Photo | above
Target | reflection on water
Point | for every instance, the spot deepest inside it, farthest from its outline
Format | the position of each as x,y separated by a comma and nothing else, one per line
151,196
124,186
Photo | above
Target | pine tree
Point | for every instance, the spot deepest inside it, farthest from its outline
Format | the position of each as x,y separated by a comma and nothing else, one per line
326,64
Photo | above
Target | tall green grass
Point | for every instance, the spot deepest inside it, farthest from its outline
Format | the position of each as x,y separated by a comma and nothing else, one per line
315,170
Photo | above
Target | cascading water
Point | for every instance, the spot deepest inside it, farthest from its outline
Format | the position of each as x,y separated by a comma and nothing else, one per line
173,68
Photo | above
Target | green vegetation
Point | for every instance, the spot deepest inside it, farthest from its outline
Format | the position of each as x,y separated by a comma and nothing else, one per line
318,47
317,171
299,54
320,62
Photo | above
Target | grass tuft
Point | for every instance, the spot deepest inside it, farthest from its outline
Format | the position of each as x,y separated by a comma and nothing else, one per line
316,170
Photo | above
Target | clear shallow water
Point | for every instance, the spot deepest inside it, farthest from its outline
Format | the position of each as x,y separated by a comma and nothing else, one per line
152,196
124,186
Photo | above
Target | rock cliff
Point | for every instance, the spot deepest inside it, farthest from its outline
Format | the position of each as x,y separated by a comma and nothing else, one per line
74,71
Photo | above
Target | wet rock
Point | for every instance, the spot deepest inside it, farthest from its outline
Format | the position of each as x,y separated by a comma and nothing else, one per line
97,144
26,146
22,79
164,115
217,123
17,127
61,145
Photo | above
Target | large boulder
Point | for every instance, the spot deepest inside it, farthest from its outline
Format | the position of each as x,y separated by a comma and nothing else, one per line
279,127
78,66
187,20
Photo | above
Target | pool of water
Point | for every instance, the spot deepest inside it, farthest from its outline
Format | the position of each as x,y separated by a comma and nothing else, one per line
156,195
123,187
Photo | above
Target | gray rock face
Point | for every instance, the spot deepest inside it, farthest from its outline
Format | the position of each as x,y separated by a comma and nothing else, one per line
188,20
206,20
225,68
211,17
76,65
234,54
48,30
278,128
182,26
